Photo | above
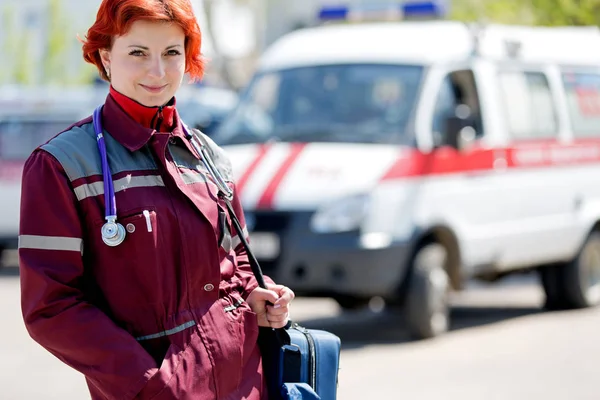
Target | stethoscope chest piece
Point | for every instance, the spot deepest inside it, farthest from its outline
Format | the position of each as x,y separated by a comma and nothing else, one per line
113,233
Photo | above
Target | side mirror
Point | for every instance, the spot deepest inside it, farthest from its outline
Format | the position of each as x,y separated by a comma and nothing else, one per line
459,130
458,133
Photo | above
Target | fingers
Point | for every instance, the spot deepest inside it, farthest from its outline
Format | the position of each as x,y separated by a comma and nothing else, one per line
272,305
277,319
285,294
278,313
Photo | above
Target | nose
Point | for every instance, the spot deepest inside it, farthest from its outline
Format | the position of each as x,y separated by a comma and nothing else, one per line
157,68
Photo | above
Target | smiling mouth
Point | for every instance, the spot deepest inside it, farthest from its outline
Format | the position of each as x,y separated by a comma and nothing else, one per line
154,89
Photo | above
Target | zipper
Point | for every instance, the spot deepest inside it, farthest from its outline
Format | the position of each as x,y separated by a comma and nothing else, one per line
159,118
312,357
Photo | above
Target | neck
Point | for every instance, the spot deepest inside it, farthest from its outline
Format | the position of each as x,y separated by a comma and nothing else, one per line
159,118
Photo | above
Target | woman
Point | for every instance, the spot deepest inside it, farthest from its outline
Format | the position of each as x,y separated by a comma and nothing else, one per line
172,312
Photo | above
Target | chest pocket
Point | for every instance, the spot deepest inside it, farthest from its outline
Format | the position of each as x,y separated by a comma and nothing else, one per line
142,229
140,259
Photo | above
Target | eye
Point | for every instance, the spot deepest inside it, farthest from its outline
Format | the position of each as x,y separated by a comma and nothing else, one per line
173,52
136,53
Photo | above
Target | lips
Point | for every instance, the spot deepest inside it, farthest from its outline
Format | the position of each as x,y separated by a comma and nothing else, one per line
154,89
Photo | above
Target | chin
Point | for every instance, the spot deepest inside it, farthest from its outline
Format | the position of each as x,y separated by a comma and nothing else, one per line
155,101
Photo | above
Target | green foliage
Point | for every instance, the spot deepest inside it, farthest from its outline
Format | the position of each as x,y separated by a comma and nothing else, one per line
57,44
529,12
24,71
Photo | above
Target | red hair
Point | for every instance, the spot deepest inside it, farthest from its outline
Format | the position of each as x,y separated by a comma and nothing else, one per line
115,18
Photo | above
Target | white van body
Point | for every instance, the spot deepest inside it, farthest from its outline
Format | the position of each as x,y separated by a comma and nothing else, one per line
479,156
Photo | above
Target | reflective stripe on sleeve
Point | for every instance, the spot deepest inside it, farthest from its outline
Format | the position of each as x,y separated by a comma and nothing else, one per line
59,243
97,188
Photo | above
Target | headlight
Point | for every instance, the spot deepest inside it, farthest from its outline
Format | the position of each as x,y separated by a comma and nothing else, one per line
342,215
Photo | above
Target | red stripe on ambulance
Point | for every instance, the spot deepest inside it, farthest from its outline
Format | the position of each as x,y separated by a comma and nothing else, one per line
531,154
266,200
11,171
261,152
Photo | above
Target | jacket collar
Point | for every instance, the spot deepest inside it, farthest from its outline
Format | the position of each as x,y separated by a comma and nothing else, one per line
127,131
159,118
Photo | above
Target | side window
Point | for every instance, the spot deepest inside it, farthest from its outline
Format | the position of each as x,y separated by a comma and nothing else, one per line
19,137
528,105
445,107
583,103
458,96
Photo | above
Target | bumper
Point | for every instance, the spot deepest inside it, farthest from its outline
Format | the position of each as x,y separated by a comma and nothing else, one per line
9,242
329,264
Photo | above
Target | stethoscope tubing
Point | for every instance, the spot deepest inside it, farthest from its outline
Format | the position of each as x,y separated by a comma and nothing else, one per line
113,233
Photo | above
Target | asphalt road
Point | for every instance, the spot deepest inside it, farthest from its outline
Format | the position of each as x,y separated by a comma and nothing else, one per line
501,347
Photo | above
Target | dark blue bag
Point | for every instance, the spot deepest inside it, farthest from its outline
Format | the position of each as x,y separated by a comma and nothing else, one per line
298,363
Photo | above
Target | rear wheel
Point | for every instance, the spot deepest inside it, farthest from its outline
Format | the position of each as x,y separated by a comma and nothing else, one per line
2,254
427,308
575,284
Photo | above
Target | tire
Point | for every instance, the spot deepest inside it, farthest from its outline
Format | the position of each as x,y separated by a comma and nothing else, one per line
575,284
427,307
2,248
351,303
582,276
551,278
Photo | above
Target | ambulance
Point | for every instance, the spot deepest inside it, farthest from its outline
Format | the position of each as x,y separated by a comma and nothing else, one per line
29,116
402,159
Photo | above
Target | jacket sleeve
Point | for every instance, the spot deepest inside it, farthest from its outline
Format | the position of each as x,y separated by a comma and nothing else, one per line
244,270
56,312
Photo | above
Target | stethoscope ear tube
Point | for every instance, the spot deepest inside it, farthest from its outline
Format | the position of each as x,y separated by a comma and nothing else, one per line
225,190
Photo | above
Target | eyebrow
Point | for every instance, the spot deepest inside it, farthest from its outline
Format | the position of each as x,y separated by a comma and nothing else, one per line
147,48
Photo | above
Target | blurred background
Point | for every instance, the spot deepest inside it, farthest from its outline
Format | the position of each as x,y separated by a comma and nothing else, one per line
518,252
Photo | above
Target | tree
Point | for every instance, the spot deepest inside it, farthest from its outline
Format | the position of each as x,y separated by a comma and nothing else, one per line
497,11
566,12
57,44
528,12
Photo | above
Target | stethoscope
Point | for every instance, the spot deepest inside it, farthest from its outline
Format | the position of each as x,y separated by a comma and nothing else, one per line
113,233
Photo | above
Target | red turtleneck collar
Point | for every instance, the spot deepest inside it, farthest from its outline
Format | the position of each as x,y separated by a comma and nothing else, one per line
159,118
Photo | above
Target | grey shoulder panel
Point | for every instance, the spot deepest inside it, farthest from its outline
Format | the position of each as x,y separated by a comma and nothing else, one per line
77,152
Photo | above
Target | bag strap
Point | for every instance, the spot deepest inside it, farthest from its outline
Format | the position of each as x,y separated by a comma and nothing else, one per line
201,146
256,269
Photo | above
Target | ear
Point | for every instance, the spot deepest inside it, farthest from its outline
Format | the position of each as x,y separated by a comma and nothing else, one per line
105,57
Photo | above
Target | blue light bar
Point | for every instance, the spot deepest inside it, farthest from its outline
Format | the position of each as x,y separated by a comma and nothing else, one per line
407,9
333,13
424,9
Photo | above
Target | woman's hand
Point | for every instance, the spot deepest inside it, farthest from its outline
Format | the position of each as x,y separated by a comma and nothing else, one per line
275,314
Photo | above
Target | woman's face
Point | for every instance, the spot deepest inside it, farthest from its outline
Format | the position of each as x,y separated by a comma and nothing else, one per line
148,63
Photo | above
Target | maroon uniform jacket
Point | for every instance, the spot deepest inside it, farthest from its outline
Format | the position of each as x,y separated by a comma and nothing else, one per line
162,315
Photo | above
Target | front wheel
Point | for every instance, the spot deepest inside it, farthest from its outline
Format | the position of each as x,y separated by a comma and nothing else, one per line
351,303
427,303
2,253
575,284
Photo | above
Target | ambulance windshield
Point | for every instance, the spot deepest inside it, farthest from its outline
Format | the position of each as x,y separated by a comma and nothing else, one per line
360,103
